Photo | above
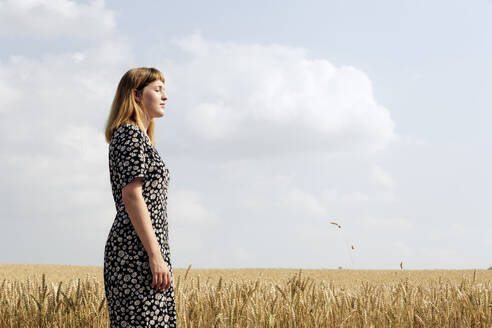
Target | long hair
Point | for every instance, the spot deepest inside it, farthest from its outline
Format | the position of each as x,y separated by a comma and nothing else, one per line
124,108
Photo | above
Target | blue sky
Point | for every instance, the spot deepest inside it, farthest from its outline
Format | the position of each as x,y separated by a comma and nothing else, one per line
282,117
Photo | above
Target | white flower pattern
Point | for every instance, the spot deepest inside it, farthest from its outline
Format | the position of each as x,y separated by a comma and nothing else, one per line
132,302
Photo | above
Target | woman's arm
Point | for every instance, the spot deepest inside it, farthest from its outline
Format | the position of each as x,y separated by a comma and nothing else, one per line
140,217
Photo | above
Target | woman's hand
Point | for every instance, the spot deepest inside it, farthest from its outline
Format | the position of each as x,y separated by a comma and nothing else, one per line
161,277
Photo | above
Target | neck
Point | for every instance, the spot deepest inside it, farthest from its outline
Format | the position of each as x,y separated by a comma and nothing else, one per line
146,123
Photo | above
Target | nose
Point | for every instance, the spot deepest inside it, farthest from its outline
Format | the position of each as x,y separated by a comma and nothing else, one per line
163,96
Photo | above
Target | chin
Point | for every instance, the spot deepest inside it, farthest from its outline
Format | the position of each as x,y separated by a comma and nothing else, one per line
159,114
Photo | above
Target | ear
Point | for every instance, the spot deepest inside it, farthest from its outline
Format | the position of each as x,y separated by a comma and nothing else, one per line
137,94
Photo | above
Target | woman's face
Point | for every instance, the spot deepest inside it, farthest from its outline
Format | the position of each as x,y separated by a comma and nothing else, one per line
152,99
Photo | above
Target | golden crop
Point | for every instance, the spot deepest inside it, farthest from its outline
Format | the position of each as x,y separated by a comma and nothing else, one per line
70,297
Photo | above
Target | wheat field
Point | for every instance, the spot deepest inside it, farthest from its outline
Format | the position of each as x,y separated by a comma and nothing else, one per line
73,296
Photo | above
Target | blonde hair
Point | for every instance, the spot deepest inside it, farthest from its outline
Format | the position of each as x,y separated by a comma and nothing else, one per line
124,108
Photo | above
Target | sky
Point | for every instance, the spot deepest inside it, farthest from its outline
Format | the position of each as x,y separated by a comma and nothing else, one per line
282,117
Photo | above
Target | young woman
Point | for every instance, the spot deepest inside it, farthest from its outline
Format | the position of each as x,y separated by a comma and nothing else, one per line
138,278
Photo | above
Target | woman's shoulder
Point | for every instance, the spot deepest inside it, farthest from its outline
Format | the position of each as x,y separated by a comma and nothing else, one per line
128,128
127,131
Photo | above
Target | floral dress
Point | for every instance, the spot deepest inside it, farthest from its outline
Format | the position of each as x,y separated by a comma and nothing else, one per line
132,302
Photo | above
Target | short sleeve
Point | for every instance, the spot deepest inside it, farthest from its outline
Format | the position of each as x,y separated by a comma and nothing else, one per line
129,154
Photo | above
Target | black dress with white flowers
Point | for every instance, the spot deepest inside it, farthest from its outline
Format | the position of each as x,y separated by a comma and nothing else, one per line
132,302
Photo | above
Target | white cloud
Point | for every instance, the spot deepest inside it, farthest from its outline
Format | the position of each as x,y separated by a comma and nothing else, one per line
212,120
243,255
8,96
354,198
55,18
83,142
273,98
53,144
67,86
304,201
78,57
451,231
382,178
65,181
186,207
391,223
61,102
